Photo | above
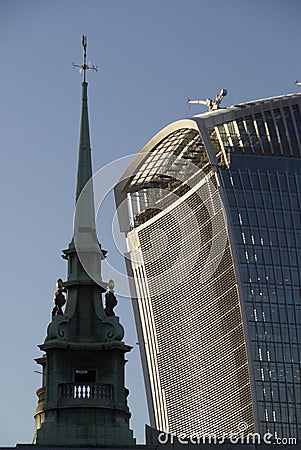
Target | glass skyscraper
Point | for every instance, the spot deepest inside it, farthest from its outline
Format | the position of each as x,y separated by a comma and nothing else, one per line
211,208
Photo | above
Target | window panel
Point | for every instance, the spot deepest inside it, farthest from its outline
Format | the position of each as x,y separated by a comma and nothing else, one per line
290,126
272,132
282,131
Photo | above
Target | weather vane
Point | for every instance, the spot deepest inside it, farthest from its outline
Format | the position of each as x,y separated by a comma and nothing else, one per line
85,66
212,104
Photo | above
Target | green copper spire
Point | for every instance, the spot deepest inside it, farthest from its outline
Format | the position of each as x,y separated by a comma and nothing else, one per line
84,181
84,232
84,169
85,211
84,248
83,399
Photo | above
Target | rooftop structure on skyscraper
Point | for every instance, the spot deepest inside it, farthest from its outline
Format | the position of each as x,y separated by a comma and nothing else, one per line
211,104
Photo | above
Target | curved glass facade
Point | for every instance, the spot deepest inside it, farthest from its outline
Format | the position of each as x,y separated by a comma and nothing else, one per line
193,331
214,241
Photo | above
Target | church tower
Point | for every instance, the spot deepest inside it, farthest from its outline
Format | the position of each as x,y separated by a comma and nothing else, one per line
83,400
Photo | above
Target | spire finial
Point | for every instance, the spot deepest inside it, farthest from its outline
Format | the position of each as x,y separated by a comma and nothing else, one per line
85,66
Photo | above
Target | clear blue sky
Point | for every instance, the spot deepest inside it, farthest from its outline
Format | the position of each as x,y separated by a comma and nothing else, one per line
152,55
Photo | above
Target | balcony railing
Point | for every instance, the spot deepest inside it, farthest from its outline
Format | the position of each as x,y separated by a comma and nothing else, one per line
85,392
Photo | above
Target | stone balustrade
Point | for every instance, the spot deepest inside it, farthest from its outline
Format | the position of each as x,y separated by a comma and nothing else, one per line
85,391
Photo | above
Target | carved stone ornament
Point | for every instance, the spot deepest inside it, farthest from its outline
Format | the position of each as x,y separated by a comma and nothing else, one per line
58,328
